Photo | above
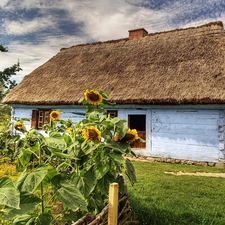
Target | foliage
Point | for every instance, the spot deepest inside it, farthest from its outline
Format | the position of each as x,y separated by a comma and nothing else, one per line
72,163
5,112
6,84
6,74
164,199
9,143
3,49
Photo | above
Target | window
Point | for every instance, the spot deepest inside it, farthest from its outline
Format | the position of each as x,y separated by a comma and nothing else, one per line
113,113
40,117
138,122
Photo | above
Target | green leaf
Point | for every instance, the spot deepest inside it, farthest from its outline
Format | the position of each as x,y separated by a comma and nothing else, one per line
23,158
122,183
72,149
28,203
29,181
96,201
24,220
55,134
104,182
107,123
67,139
56,142
101,170
9,195
71,196
63,155
56,181
115,120
88,147
117,157
104,94
119,147
51,173
44,219
121,129
130,171
86,183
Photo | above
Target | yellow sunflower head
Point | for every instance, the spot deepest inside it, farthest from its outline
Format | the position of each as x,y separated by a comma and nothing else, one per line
91,133
116,137
54,115
93,97
19,126
130,136
69,130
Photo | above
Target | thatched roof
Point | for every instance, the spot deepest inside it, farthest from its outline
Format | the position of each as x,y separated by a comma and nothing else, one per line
182,66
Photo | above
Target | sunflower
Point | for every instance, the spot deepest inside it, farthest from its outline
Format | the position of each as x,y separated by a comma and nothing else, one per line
19,126
54,115
93,97
69,130
130,136
116,137
91,133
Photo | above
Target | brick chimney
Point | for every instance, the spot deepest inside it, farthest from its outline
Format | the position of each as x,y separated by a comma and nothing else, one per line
137,33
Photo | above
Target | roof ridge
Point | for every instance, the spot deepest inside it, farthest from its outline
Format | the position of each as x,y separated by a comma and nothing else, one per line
216,23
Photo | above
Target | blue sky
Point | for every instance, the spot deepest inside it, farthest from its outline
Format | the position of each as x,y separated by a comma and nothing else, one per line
36,30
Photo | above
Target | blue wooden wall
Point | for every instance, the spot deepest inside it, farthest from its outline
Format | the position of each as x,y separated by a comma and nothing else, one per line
181,133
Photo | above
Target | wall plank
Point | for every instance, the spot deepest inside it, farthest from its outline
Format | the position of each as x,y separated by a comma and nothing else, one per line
186,134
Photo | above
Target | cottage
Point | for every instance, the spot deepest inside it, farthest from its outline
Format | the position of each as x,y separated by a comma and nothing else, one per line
170,86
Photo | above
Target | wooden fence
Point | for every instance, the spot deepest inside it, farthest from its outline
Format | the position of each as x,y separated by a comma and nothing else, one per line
117,212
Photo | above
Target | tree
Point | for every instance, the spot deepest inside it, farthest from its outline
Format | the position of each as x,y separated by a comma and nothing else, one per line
5,81
5,75
3,49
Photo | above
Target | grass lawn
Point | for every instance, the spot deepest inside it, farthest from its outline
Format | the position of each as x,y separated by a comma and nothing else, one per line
159,198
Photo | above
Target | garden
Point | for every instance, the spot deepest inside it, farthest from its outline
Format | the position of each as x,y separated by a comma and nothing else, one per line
65,173
62,176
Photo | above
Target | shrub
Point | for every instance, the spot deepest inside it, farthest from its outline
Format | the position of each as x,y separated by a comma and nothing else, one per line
73,164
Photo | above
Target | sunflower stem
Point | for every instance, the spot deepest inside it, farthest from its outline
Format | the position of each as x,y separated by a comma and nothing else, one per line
41,185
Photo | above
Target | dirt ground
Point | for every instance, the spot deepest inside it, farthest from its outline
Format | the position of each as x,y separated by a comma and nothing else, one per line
197,174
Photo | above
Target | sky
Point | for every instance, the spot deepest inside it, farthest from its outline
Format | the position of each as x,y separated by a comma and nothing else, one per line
35,30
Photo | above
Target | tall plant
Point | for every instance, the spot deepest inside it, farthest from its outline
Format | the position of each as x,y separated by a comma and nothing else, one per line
72,165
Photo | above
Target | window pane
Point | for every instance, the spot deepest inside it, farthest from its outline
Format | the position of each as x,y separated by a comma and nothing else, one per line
40,119
113,113
46,118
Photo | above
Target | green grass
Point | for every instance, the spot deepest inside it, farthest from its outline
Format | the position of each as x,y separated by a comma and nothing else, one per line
163,199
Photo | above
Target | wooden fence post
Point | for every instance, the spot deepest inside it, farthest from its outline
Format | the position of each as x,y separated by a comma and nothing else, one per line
113,204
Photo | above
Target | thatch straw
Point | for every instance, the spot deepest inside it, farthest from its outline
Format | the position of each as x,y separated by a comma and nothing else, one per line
184,66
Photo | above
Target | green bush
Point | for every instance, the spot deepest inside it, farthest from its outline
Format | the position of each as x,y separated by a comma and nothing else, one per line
73,164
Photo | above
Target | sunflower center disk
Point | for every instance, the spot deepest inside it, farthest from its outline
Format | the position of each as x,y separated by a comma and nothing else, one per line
129,138
93,97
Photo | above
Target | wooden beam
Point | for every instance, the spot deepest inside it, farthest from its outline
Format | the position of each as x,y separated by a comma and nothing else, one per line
113,204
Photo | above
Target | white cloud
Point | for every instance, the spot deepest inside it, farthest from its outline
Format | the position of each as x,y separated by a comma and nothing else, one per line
28,4
23,27
3,3
102,19
32,56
